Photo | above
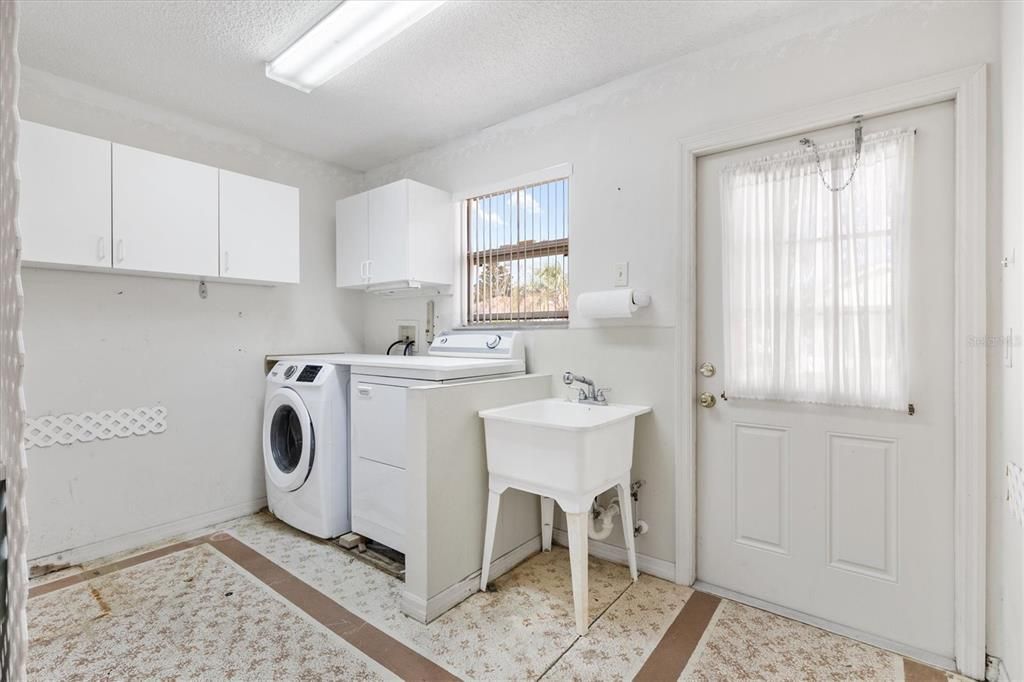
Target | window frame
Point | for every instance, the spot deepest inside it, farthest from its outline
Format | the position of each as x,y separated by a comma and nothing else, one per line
463,293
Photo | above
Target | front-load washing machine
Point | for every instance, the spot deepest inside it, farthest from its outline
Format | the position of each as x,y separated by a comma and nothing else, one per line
305,446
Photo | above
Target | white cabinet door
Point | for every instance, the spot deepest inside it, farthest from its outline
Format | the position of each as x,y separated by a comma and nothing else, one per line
378,422
379,441
378,502
259,229
389,232
65,197
351,226
164,213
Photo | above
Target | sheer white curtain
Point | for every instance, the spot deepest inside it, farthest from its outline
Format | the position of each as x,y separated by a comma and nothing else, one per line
815,282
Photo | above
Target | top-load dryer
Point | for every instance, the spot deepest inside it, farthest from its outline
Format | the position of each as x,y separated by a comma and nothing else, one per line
379,431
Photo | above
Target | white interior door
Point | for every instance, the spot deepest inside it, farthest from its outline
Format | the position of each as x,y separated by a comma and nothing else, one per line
841,513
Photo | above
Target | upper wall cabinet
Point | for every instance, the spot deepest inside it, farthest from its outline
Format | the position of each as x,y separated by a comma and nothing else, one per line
401,234
65,197
165,213
259,229
89,204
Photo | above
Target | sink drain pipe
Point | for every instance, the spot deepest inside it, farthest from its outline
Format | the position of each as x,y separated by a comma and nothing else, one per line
606,515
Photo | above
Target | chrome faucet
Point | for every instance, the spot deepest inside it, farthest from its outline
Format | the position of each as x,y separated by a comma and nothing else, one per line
590,396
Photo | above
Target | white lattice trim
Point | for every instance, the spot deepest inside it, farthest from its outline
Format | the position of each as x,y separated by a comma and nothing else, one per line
1015,490
65,429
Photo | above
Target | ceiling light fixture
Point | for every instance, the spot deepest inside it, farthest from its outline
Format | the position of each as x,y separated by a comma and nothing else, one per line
354,29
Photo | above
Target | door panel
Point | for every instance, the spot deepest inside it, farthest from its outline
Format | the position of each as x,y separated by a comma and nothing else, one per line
845,514
378,502
65,196
761,476
165,213
378,419
259,229
352,223
389,232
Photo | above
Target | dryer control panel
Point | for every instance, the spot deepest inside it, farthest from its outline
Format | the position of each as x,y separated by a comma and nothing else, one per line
498,344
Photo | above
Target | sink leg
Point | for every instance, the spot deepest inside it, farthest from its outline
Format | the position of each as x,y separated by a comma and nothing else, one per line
547,519
493,500
577,524
626,509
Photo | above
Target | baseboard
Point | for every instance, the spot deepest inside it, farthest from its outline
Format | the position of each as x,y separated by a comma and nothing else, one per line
426,611
147,536
659,568
853,633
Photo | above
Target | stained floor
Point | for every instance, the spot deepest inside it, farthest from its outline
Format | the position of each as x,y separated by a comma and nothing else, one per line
258,600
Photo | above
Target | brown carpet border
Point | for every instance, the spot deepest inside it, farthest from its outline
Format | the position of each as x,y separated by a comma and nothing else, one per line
673,652
374,643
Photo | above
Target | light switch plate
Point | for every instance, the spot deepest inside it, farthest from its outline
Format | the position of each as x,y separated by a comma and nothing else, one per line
622,274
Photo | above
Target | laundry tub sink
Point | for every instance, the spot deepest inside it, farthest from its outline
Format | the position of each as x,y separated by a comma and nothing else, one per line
559,446
567,453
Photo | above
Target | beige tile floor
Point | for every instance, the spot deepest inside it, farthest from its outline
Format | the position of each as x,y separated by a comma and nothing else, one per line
194,614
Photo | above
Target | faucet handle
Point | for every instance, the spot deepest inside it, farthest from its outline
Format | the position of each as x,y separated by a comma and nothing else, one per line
600,394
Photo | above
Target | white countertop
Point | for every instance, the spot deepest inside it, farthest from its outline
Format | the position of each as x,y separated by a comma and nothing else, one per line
424,367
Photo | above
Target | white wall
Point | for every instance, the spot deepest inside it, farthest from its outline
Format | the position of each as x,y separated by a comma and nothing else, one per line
1006,537
99,341
622,140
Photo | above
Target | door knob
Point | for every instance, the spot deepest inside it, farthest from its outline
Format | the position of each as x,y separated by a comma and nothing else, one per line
707,369
707,399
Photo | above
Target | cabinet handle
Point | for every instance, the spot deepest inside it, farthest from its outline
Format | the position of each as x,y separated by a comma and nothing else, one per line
369,270
226,261
120,250
363,390
101,251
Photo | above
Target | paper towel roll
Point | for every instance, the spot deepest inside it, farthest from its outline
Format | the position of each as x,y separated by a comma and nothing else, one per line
612,303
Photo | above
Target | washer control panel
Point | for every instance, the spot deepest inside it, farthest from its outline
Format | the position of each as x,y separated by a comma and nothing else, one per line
308,373
299,372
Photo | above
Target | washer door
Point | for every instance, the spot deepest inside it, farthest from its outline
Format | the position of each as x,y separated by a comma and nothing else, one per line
288,440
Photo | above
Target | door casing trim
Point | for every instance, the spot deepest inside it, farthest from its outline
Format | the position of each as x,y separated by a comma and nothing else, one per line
968,89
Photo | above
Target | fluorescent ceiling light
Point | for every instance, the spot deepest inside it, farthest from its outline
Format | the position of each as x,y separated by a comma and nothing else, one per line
354,29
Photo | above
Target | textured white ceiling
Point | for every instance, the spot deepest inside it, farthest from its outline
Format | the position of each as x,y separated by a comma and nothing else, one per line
468,65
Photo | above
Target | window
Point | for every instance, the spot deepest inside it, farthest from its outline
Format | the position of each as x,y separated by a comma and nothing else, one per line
816,280
517,264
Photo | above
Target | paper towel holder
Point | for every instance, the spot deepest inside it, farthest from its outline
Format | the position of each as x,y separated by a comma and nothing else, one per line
613,303
641,298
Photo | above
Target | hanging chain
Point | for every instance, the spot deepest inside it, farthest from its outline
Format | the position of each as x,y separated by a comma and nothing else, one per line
858,139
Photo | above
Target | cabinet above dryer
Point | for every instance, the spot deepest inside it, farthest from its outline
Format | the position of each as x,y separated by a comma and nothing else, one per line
396,238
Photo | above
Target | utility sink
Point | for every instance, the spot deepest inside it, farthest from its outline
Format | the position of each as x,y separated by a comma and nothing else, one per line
560,446
567,453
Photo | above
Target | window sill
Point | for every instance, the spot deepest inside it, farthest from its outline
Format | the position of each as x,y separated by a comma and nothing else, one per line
513,326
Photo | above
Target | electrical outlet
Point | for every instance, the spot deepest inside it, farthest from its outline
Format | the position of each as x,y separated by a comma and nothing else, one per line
622,274
407,331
